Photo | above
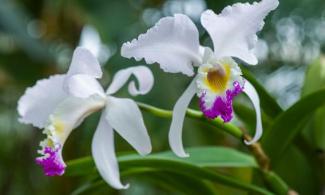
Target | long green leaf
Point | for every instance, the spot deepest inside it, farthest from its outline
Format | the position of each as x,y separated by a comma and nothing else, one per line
176,182
199,156
287,126
169,181
190,167
204,157
314,81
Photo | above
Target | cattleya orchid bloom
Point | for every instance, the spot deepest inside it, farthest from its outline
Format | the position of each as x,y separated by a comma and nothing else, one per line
60,103
173,43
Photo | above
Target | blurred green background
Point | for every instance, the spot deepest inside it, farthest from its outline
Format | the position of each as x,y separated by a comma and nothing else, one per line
37,38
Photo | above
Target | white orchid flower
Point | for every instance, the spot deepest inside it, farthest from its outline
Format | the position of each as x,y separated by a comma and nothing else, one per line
60,103
173,43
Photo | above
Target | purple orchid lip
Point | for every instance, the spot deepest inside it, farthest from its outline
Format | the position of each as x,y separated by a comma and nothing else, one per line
222,106
51,162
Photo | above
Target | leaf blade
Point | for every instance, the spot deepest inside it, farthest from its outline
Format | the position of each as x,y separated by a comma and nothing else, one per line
287,125
167,162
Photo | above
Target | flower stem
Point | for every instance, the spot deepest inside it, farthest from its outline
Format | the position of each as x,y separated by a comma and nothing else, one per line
228,127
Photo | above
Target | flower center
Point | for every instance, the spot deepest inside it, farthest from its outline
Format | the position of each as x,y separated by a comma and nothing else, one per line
217,78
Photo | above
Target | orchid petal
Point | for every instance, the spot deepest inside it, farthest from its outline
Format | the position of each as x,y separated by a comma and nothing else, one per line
84,86
253,96
173,43
83,63
142,74
233,32
179,111
73,110
39,101
90,39
125,117
67,116
103,151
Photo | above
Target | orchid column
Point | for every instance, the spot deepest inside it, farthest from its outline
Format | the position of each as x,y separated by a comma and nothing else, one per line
60,103
173,43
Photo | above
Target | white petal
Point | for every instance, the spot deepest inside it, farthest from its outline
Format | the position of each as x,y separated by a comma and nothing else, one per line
84,86
39,101
253,96
72,111
84,62
66,117
142,74
103,152
90,39
125,117
233,32
179,111
173,43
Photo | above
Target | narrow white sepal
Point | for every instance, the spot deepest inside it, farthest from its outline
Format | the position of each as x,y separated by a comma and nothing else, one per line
83,63
142,74
125,117
84,86
176,127
103,151
253,96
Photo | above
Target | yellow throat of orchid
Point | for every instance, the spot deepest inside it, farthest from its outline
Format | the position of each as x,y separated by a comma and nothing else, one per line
217,78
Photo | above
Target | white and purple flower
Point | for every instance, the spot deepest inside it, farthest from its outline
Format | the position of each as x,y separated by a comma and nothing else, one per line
173,43
60,103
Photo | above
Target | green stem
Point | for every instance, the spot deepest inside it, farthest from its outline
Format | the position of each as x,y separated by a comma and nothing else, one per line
228,127
277,184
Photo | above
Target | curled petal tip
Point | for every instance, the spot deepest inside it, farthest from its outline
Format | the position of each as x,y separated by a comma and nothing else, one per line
126,186
121,186
146,150
250,142
253,96
183,155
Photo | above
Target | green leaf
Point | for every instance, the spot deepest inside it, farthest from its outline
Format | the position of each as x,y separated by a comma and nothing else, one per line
293,161
315,77
89,187
268,103
315,80
287,126
200,156
204,157
169,181
192,166
175,182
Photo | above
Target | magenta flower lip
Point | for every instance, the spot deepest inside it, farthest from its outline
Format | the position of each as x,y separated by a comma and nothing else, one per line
222,106
51,162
